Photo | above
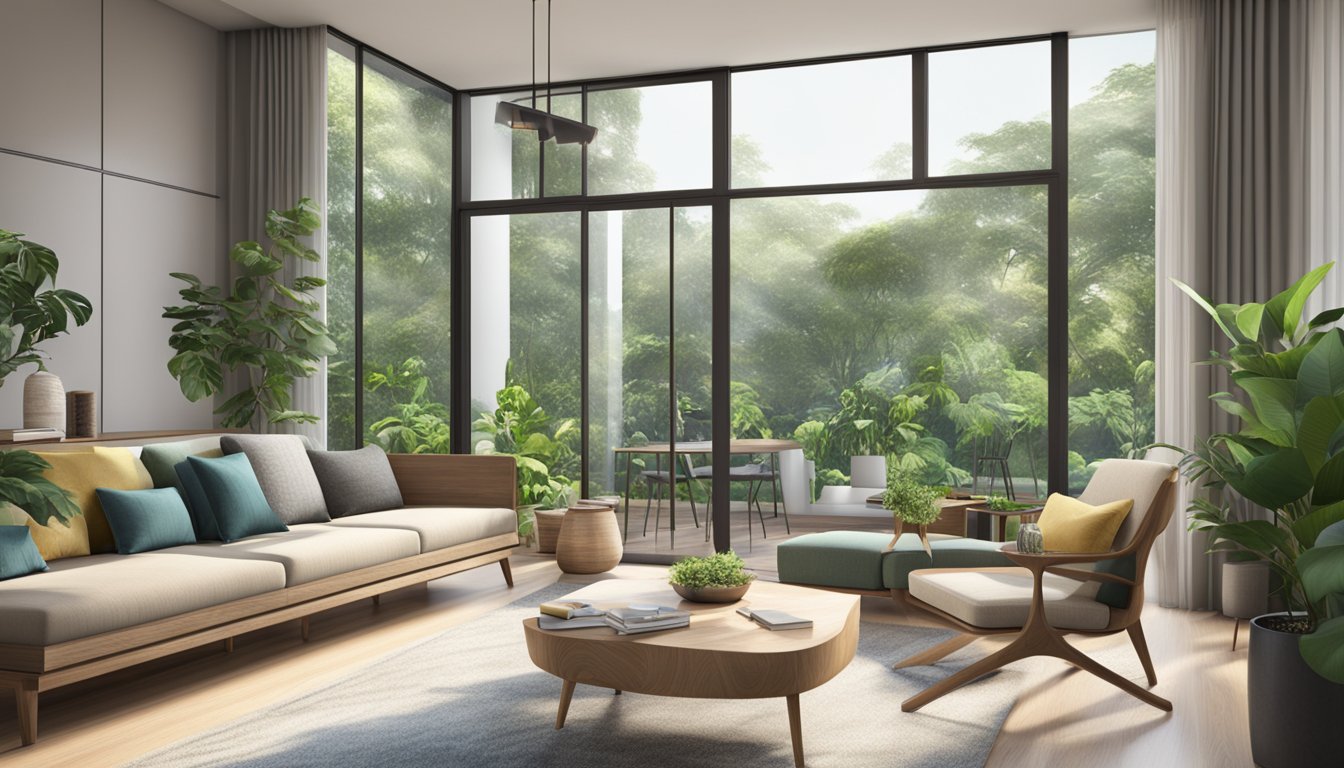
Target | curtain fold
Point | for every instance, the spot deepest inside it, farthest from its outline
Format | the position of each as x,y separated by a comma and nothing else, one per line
1248,199
277,153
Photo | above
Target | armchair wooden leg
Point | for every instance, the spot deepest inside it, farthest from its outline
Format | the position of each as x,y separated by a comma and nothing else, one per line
508,571
1141,647
1014,651
1076,657
945,648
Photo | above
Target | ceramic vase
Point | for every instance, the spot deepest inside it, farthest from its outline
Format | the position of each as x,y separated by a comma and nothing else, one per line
1029,539
43,401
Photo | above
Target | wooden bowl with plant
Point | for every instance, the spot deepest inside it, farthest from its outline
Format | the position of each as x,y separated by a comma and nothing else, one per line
718,578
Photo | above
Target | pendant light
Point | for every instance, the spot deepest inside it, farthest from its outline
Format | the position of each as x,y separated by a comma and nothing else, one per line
523,117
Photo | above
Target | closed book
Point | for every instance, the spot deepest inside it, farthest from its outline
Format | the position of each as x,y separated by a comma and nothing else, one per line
569,609
578,622
648,626
25,435
637,614
775,620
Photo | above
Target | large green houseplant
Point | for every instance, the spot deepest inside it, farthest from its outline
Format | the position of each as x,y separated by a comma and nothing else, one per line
1287,458
262,328
32,310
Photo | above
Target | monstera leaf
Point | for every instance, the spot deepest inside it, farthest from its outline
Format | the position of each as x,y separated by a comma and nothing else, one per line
23,485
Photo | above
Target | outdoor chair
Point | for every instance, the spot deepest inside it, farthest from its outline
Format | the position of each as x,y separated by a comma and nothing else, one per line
1054,594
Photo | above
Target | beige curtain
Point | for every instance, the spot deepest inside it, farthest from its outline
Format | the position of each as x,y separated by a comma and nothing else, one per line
1248,199
277,153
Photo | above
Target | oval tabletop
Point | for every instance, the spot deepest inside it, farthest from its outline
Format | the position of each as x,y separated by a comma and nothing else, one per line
721,655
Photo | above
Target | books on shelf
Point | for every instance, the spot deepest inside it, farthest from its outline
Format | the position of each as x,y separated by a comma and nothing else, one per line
775,620
570,609
27,435
637,619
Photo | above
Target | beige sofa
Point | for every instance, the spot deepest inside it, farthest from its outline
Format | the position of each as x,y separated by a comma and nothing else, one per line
88,616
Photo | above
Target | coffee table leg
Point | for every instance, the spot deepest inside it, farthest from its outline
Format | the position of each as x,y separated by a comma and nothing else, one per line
566,694
795,730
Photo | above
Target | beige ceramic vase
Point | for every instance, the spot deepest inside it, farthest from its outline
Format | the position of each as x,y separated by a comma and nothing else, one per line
590,540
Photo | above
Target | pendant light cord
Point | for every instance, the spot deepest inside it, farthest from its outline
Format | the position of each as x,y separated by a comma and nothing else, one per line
534,53
548,54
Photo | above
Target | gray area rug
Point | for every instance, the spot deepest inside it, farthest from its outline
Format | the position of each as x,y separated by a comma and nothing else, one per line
471,697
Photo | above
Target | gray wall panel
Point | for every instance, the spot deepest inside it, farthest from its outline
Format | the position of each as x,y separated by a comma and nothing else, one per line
162,95
149,231
57,206
49,78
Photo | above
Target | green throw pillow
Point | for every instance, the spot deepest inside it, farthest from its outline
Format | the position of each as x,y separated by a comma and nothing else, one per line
198,505
18,553
161,459
236,501
143,521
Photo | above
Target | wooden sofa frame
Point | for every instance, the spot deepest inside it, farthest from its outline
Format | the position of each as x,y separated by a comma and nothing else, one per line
434,480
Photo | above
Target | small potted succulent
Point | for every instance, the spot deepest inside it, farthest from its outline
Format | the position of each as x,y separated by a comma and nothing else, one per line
718,578
911,502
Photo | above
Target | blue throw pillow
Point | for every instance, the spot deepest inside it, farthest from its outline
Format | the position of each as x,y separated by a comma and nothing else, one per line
143,521
236,501
18,553
198,505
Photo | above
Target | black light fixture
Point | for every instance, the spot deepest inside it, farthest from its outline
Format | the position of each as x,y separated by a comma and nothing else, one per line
522,117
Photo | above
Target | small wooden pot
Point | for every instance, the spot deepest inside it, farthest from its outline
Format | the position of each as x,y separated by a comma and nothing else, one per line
590,540
547,529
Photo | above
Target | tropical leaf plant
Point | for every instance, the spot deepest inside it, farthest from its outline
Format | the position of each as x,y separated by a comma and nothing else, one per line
418,423
261,328
23,484
1287,457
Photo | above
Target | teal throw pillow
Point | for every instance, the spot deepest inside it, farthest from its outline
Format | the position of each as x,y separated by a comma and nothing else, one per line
198,504
18,553
236,500
161,459
143,521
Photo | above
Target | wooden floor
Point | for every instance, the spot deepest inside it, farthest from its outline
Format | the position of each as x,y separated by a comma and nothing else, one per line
1067,719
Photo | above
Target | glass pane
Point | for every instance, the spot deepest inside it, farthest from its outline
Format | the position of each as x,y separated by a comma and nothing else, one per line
525,348
650,139
1112,116
858,111
564,162
504,162
340,222
906,326
989,109
408,154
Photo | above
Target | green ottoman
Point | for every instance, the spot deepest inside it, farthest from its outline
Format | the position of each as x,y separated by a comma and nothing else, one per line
855,560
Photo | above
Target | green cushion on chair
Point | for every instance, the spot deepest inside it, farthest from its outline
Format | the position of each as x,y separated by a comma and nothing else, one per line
848,559
950,552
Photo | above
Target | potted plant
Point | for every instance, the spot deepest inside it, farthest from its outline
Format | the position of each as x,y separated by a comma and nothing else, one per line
1288,460
718,578
264,329
911,502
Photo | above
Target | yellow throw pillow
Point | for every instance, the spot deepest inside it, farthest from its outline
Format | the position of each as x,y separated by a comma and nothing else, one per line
82,473
1069,525
54,540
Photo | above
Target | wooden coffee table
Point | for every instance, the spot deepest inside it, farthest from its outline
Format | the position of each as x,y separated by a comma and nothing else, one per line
721,655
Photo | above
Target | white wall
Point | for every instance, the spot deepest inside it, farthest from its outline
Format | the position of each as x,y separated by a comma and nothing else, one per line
111,152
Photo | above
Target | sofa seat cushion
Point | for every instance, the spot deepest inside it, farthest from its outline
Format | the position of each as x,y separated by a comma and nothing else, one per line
315,550
995,598
855,560
438,527
948,552
86,596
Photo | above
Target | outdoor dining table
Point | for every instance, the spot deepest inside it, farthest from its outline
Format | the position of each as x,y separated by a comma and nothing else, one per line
683,451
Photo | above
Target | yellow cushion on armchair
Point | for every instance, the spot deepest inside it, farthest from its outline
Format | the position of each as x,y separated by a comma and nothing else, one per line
1069,525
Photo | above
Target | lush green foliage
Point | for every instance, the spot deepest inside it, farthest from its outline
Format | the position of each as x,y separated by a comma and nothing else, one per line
30,315
23,485
1004,504
418,424
1322,570
1288,455
545,454
264,328
909,499
722,569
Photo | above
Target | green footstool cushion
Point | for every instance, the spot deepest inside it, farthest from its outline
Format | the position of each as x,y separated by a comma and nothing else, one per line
855,560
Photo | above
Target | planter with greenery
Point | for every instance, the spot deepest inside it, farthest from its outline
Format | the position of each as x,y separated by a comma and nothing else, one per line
911,502
32,310
263,329
718,578
1287,459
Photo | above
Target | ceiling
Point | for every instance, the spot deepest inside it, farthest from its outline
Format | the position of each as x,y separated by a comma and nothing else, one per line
482,43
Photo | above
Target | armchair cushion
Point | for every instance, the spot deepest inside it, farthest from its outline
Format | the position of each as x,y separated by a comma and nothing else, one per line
1070,525
999,598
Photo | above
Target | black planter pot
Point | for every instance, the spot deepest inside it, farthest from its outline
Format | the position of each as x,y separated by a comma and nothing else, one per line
1295,713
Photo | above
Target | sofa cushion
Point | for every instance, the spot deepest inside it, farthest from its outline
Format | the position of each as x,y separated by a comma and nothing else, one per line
143,521
286,475
235,498
161,459
948,552
848,559
81,473
439,527
85,596
315,550
356,482
18,553
995,598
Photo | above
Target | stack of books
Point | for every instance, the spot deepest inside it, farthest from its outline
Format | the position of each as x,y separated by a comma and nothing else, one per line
571,614
637,619
775,620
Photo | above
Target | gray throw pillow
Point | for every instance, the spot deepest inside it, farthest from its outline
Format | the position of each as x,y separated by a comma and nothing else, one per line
356,482
285,474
